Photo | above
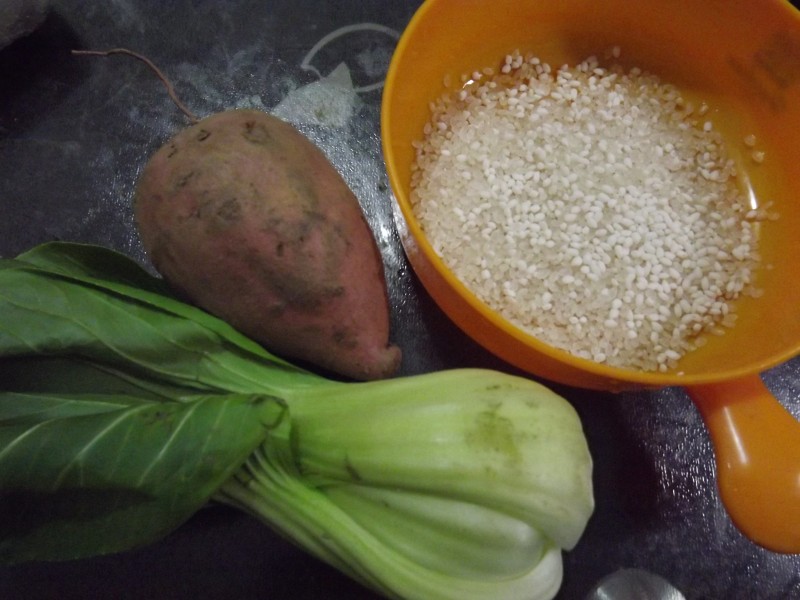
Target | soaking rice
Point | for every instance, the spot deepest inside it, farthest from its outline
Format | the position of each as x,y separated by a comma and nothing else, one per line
592,206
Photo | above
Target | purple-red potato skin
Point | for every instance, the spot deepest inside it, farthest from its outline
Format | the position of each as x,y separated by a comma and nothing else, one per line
246,218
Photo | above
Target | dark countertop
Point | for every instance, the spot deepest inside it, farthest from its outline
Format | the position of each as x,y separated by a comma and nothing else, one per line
74,134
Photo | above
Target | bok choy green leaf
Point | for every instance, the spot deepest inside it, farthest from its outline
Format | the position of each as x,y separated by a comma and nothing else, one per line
124,410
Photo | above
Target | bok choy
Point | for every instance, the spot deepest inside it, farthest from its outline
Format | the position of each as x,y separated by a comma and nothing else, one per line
124,410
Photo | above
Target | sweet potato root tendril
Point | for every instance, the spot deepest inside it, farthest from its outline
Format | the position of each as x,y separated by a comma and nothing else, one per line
170,89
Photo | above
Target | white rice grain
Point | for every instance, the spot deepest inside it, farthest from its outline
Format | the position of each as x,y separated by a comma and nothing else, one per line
585,205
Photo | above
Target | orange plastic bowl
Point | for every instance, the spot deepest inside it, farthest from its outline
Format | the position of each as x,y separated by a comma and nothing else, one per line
743,56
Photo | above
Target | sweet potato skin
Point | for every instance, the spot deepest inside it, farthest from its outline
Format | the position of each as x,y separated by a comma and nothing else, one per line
247,218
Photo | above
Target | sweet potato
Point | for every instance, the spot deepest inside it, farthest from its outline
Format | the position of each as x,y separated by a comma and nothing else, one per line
246,217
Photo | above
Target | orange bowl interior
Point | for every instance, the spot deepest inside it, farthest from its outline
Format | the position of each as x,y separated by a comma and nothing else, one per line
742,56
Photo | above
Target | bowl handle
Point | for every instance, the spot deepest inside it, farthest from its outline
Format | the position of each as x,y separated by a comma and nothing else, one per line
757,447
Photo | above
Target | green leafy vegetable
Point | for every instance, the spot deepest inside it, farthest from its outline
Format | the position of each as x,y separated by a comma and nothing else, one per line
124,410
